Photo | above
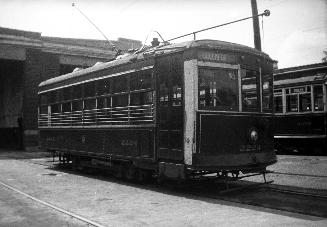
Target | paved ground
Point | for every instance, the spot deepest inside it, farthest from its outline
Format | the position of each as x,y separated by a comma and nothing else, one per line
20,211
117,203
299,171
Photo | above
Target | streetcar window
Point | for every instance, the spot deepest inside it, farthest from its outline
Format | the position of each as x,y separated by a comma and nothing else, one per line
177,95
292,103
218,88
163,94
101,103
176,84
103,87
56,108
249,90
108,102
318,98
298,99
136,99
89,89
77,91
120,84
141,80
120,100
89,104
278,104
77,105
304,102
66,107
141,98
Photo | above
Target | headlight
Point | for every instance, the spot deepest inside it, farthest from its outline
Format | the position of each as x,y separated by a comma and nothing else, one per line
253,135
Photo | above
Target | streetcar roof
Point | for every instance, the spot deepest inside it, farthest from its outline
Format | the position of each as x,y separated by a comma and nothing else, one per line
153,51
320,77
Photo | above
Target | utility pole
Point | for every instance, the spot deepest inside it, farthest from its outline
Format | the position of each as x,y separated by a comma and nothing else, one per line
256,27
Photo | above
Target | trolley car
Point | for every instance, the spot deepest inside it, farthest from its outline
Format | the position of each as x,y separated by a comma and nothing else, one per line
301,110
173,111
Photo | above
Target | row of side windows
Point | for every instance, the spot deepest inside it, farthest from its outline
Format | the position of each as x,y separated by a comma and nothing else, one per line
299,99
131,89
132,99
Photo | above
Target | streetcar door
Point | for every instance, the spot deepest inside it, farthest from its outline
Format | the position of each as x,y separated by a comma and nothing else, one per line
170,102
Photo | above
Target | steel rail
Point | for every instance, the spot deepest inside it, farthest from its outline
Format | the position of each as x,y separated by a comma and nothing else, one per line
52,206
298,174
287,191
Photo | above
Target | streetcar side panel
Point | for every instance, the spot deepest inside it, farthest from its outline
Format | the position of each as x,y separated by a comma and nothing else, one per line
108,113
301,133
103,143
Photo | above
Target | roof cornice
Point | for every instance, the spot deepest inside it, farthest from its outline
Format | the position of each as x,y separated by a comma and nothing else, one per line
68,49
8,39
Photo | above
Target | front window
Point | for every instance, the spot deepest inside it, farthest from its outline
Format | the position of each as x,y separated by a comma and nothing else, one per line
218,88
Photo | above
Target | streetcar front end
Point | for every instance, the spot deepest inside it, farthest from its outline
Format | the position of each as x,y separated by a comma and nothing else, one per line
233,103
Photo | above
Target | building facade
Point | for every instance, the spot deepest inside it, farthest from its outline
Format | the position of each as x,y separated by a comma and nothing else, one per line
26,59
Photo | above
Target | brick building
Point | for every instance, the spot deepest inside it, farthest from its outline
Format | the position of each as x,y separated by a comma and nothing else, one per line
26,59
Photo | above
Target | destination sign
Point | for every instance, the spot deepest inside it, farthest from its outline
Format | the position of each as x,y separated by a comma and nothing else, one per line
214,56
298,90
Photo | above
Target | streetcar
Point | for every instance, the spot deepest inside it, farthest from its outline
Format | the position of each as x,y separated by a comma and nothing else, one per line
171,111
301,110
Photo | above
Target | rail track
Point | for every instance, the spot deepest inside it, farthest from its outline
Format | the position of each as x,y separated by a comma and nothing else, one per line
66,212
278,197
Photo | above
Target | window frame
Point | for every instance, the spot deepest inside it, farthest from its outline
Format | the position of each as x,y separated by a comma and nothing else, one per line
308,90
215,66
258,90
75,99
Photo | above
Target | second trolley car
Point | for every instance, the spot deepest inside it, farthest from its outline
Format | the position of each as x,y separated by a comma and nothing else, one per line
173,111
301,110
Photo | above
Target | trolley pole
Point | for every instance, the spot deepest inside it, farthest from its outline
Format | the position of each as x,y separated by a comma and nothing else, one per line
256,27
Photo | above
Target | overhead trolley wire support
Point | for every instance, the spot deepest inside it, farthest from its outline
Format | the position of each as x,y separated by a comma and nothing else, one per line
265,13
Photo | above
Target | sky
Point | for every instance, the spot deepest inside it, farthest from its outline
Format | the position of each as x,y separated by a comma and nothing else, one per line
294,34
